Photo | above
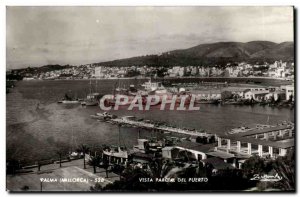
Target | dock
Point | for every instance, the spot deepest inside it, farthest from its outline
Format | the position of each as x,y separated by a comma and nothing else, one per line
163,128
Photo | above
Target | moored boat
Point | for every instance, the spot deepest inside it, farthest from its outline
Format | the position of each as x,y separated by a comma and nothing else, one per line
69,100
92,98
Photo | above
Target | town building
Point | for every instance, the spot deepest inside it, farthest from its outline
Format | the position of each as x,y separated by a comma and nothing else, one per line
187,149
289,92
266,143
99,72
255,95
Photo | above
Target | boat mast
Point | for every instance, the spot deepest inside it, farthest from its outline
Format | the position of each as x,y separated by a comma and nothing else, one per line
96,85
119,135
90,86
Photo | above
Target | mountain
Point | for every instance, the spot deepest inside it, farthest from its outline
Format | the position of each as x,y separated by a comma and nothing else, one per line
283,50
219,53
225,49
42,69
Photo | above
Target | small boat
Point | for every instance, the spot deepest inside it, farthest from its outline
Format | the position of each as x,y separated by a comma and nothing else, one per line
103,115
92,98
118,154
240,130
206,101
68,100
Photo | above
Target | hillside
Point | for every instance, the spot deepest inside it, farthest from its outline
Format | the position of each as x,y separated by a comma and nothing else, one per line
219,53
283,50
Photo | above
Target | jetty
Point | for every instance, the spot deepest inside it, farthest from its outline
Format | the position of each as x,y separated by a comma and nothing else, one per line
131,121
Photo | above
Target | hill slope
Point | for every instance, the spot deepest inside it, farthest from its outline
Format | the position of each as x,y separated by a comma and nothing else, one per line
283,50
214,53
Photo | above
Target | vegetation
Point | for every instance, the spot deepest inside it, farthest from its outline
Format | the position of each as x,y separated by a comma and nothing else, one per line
25,188
84,149
225,179
95,161
283,166
61,151
160,168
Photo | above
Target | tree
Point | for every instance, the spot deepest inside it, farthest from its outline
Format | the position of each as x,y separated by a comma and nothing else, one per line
160,168
12,166
95,161
96,188
278,99
253,165
290,98
272,99
39,165
84,149
212,139
62,150
285,167
106,166
25,188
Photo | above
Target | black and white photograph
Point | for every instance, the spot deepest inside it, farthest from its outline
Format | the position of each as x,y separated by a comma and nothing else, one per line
150,99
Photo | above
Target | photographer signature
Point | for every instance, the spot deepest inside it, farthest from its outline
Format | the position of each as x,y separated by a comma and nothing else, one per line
266,177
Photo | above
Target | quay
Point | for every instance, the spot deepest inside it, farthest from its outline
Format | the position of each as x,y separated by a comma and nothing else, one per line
232,150
130,120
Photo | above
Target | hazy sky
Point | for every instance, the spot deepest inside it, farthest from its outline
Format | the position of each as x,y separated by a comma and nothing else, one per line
78,35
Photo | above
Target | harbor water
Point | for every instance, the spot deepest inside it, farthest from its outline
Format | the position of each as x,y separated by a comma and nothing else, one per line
36,123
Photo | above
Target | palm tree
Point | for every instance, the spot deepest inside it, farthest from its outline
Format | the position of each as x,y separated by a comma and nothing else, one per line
84,149
105,165
160,168
39,165
94,161
59,153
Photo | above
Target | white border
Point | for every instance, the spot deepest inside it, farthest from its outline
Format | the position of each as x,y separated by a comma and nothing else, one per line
4,3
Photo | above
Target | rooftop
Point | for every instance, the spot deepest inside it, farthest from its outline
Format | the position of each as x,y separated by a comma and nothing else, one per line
261,131
236,89
195,146
168,148
288,143
257,91
220,154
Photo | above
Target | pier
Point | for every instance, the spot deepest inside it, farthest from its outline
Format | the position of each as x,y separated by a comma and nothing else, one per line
128,120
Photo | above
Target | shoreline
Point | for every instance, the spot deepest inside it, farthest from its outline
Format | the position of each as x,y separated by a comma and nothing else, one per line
165,78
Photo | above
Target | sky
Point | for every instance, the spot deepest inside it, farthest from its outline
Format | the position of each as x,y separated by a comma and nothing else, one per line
36,36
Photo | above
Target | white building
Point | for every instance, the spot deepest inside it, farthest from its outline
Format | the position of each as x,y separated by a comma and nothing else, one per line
256,95
289,91
276,95
99,72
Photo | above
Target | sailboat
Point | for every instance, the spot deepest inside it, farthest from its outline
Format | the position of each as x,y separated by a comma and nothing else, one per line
93,97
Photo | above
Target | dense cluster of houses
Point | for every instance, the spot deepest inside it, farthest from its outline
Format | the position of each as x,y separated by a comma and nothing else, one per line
278,69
